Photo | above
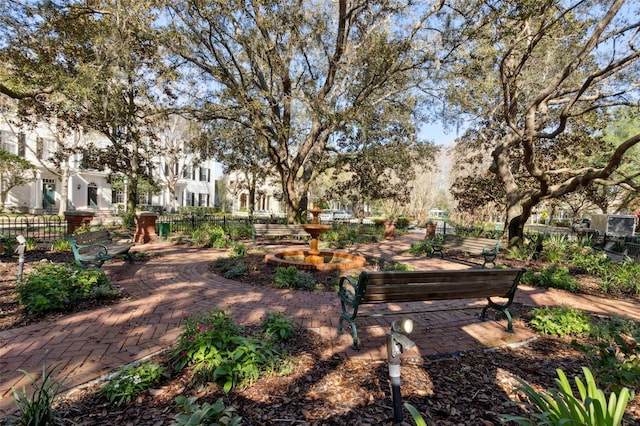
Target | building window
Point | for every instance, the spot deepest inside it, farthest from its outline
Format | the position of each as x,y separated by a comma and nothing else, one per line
8,142
205,174
22,144
144,198
48,148
186,172
85,162
203,200
117,197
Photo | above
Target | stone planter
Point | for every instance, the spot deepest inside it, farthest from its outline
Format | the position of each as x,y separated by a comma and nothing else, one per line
390,230
145,227
77,219
431,231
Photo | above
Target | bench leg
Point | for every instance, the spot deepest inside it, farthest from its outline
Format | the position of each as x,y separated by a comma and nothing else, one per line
438,250
505,311
489,258
354,331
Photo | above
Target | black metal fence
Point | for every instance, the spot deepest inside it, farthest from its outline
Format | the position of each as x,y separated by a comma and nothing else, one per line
186,224
45,229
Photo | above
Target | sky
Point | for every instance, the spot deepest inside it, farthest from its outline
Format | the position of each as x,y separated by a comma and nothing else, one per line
436,133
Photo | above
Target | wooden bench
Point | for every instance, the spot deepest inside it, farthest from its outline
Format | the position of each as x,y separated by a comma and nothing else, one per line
418,286
95,247
486,247
278,230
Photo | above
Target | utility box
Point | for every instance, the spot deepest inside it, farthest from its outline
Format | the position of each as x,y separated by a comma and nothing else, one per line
614,224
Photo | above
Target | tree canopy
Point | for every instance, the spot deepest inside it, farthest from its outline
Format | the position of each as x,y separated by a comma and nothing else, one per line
539,79
295,74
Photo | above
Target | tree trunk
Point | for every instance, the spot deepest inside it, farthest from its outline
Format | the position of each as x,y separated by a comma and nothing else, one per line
516,230
64,189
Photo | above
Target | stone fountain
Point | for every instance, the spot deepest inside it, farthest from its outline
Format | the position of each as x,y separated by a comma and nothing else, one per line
313,258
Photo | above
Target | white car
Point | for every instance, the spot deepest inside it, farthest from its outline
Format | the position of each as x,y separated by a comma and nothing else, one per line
342,215
326,216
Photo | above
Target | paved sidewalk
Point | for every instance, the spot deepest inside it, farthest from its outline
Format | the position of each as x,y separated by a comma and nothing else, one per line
85,346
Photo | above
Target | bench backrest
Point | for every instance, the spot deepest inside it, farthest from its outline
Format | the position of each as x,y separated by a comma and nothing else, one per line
93,237
471,244
407,286
278,229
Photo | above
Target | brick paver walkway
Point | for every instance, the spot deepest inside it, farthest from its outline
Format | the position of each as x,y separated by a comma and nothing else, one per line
85,346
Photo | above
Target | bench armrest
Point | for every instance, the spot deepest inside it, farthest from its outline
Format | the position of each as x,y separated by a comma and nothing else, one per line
121,237
101,248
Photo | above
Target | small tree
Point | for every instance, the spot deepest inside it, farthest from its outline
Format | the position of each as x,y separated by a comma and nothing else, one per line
14,171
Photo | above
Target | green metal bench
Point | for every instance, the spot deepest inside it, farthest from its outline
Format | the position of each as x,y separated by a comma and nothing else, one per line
278,230
486,247
95,247
379,287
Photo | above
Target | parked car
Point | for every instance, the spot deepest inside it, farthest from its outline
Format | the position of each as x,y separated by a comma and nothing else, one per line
581,224
326,216
342,215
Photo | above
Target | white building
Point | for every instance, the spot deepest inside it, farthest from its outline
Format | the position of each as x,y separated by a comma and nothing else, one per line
88,189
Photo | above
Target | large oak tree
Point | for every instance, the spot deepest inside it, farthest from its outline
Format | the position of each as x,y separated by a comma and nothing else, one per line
295,73
538,79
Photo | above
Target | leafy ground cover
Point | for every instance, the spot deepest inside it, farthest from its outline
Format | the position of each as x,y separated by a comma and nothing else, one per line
473,388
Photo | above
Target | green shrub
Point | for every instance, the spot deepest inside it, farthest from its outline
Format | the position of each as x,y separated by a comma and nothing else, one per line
402,223
239,232
591,261
214,346
421,247
561,407
54,287
615,356
622,278
210,236
559,321
129,382
8,244
61,245
276,324
239,250
397,266
291,277
556,248
552,276
37,408
237,270
194,413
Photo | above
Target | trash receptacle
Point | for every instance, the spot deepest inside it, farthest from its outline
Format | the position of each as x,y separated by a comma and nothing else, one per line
163,230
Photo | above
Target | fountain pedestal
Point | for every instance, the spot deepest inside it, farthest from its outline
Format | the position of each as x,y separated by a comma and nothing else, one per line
314,229
313,254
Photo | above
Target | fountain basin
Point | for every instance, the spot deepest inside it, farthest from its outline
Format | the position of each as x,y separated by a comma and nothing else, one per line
331,260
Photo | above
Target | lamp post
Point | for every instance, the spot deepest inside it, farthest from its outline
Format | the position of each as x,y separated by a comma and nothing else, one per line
396,343
22,246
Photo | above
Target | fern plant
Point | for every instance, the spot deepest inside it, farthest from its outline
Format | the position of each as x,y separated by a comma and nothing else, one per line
561,407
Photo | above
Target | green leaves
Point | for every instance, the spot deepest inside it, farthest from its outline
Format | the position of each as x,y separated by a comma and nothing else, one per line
560,406
560,321
291,277
129,381
54,287
216,348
